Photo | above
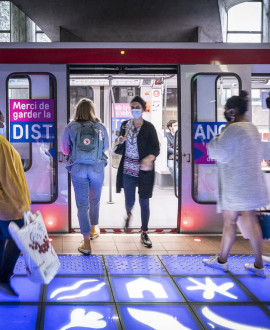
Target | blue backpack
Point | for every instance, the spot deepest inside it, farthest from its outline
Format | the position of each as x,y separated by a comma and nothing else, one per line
88,145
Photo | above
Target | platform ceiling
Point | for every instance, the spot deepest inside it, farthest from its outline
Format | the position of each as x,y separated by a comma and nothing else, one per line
126,20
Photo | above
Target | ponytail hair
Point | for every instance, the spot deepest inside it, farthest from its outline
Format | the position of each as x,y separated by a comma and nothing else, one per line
238,102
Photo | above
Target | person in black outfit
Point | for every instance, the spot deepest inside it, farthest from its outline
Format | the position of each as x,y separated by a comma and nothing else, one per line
172,126
138,143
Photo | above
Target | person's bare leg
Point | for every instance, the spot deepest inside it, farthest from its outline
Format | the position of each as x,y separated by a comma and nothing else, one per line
250,221
228,234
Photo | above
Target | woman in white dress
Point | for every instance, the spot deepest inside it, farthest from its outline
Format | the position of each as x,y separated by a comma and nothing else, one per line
242,190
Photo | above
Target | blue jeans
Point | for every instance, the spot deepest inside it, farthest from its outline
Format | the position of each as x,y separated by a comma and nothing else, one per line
9,252
170,167
129,184
87,182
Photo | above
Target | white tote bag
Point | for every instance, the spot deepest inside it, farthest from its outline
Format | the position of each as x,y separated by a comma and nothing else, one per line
41,261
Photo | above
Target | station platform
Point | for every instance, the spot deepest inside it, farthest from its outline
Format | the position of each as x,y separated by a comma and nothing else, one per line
139,291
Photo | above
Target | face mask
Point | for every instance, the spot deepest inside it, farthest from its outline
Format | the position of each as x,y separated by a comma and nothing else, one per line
175,129
136,113
3,129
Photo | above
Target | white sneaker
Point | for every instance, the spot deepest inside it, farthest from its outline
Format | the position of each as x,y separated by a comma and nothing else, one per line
213,262
258,271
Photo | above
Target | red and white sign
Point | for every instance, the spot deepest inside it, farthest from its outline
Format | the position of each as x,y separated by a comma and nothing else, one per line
122,110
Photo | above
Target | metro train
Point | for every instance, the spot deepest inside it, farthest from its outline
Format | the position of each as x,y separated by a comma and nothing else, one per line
40,85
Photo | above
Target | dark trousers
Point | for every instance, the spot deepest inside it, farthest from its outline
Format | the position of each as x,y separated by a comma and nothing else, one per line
129,184
9,252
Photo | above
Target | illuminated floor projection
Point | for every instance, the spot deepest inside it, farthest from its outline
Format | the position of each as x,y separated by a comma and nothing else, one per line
139,292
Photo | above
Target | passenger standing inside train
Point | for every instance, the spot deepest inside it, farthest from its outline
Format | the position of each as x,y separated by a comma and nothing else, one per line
14,200
242,189
172,126
139,145
82,139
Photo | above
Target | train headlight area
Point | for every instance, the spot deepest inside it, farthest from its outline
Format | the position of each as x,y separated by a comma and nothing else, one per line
139,292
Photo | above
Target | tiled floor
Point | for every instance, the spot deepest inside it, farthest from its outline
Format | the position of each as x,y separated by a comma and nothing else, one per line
162,244
123,285
139,292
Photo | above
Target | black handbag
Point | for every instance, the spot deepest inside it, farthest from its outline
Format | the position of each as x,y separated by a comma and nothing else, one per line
120,149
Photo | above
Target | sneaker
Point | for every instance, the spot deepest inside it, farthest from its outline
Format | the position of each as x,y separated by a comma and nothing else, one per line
127,220
214,263
7,289
145,240
95,232
258,271
85,247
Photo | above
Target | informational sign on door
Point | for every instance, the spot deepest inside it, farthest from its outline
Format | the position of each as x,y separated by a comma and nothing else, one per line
122,113
32,120
203,132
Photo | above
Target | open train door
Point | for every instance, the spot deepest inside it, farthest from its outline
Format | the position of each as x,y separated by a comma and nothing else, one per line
33,99
204,90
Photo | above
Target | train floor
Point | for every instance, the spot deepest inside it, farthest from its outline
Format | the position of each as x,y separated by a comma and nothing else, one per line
125,286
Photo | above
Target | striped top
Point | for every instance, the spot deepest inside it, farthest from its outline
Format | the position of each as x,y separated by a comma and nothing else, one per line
131,162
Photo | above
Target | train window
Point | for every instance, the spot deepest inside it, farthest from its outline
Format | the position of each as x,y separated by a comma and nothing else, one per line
19,88
31,130
76,94
171,106
209,94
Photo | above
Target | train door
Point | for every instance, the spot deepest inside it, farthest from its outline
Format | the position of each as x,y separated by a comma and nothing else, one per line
33,100
205,89
260,89
112,94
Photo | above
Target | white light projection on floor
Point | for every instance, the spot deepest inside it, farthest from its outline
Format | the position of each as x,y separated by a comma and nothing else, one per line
210,288
156,320
228,324
92,320
83,293
135,288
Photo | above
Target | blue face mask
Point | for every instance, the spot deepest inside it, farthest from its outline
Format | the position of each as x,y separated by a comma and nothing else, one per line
3,129
136,113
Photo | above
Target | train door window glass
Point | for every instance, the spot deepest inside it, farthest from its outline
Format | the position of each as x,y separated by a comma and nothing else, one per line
209,94
36,137
245,22
19,88
77,93
122,96
260,111
171,105
4,21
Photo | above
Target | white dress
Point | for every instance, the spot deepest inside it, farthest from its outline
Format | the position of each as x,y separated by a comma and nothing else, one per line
238,152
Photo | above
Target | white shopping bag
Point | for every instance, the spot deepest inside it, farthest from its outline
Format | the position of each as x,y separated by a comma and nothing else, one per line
41,261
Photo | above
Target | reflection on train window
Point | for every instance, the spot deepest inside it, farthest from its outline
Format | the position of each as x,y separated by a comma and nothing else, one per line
76,94
19,88
39,152
260,111
209,95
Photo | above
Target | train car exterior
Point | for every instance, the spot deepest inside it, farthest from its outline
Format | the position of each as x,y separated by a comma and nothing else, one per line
41,83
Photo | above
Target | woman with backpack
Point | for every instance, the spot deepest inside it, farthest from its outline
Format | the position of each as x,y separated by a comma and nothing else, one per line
85,140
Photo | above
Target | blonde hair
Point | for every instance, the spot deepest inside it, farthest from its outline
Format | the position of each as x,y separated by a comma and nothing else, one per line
85,111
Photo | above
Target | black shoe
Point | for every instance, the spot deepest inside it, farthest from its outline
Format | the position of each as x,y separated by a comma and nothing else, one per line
127,223
7,289
145,240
